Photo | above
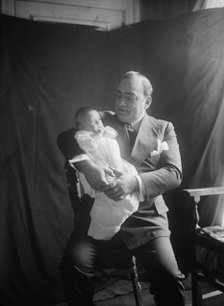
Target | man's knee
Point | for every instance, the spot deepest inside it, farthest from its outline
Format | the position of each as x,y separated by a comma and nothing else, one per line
79,257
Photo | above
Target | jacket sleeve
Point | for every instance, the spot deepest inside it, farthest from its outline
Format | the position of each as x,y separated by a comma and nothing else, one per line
68,145
167,174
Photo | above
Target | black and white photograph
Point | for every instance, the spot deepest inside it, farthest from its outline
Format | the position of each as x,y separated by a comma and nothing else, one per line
112,153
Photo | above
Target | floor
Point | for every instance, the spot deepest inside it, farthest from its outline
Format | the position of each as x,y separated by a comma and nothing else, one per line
121,294
115,295
115,291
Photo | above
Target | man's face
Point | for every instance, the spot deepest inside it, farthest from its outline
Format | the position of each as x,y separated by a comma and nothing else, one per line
130,102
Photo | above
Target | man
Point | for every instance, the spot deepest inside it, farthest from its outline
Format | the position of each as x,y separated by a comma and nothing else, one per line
155,153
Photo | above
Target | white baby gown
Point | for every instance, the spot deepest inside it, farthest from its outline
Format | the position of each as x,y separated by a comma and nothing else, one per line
107,215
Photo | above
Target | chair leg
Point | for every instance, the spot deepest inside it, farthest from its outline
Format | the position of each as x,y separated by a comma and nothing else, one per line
136,284
196,291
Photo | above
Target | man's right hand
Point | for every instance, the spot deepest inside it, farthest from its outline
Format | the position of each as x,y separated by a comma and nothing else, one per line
94,174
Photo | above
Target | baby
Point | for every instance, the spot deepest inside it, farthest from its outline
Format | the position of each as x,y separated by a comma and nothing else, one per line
100,145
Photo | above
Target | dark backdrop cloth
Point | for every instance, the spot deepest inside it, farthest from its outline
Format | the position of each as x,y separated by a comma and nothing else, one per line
47,72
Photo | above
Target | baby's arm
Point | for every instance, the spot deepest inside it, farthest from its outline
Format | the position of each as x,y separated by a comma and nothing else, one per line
95,174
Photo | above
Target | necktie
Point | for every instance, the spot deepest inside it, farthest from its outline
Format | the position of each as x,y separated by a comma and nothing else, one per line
131,134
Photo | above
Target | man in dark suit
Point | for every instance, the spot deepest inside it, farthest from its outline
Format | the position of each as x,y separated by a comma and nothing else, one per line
151,146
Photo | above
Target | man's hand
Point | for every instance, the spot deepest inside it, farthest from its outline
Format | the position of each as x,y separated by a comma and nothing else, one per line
95,175
125,185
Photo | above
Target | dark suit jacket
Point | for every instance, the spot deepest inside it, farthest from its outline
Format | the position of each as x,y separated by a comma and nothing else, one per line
160,172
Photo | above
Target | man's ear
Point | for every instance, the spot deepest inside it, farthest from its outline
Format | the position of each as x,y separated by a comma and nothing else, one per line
148,102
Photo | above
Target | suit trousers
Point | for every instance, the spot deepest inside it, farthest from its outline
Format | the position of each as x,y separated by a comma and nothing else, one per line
83,256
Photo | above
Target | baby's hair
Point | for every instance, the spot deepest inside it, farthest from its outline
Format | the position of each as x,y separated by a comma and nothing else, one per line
80,113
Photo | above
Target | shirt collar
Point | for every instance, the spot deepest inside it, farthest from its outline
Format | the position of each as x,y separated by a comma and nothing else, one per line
136,124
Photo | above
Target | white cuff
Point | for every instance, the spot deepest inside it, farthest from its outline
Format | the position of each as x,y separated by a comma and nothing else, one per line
141,193
78,158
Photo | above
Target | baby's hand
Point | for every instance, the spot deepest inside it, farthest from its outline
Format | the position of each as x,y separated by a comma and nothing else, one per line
100,131
110,175
98,134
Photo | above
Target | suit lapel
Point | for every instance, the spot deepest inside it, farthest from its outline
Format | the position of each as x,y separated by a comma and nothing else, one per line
145,141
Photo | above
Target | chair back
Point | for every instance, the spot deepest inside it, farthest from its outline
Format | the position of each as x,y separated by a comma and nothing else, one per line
73,184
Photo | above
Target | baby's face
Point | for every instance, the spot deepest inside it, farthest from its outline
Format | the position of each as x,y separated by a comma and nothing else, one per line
92,122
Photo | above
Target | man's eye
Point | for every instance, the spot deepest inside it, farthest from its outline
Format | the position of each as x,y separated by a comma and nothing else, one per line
130,98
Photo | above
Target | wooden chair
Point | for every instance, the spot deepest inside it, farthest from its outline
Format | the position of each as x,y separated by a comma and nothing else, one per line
128,266
208,240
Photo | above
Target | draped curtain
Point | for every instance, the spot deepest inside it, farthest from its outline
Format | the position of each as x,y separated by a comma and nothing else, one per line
47,72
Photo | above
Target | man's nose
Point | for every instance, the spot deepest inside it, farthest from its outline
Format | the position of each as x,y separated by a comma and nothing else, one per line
122,102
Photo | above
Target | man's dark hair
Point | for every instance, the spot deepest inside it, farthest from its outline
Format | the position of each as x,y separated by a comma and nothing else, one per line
147,86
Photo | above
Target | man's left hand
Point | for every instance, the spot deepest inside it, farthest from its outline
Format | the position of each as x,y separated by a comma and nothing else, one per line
125,184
